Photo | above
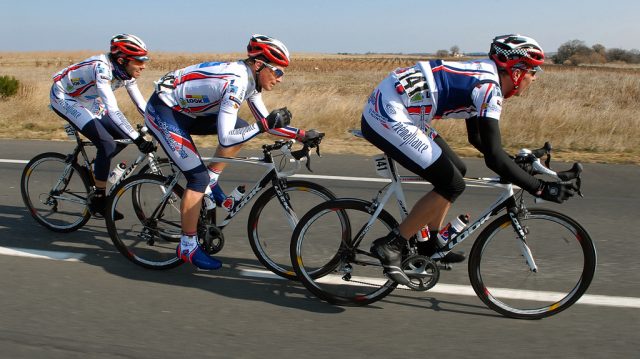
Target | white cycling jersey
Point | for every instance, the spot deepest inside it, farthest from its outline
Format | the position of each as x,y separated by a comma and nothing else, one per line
84,91
218,88
445,89
401,108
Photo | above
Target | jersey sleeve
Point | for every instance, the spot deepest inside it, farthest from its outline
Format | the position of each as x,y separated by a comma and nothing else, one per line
487,99
228,134
260,112
104,77
136,96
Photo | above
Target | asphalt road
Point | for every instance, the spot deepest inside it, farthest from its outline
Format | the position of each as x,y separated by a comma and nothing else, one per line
104,306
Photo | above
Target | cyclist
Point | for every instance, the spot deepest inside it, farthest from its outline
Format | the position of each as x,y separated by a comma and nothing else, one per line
397,119
204,99
83,95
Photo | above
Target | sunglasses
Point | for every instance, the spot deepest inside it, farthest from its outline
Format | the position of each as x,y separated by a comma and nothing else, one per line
535,70
276,71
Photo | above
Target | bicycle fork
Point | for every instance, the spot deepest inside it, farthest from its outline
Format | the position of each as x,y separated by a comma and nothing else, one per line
522,241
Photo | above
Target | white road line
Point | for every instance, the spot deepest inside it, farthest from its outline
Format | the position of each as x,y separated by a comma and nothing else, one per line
12,161
370,179
456,289
322,177
34,253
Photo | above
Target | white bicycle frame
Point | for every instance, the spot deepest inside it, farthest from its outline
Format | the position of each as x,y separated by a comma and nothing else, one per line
73,134
263,181
387,168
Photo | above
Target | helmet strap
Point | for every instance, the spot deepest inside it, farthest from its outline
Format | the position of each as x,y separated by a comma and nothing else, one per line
119,70
258,85
516,76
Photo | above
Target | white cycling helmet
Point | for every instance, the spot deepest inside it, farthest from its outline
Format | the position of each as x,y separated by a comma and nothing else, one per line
272,49
510,52
128,47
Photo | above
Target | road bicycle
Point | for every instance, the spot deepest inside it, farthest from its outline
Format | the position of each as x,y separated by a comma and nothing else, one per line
56,187
149,239
527,263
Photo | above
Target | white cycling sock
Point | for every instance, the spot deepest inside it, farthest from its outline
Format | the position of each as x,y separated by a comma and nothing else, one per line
188,243
213,176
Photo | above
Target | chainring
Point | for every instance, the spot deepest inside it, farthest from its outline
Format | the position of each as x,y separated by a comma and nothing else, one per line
422,271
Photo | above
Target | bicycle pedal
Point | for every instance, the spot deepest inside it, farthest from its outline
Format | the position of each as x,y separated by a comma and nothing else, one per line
445,266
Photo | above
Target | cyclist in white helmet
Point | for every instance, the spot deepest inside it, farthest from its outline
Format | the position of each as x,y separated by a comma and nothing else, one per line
204,99
397,120
83,95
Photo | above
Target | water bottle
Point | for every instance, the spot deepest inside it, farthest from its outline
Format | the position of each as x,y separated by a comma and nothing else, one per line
233,198
117,172
453,227
423,235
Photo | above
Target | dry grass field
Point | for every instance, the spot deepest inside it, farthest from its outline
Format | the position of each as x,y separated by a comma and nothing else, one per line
589,114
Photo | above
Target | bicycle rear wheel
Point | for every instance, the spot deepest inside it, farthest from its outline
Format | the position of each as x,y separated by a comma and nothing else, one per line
330,252
55,192
563,252
149,232
270,225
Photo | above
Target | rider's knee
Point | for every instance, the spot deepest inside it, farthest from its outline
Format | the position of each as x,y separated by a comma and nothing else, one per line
446,178
452,190
197,179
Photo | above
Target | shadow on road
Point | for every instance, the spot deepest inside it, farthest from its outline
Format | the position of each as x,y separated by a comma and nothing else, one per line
19,230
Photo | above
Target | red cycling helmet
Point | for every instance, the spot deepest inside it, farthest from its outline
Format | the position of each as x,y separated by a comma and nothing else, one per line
128,47
273,50
515,51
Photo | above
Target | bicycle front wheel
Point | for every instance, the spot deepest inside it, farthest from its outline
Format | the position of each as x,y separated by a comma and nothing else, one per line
330,252
271,222
149,232
55,192
562,266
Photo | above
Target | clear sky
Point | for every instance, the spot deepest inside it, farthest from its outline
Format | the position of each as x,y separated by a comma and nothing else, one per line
326,26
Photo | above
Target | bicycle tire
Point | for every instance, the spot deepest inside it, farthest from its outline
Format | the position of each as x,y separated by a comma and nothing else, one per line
162,163
69,211
564,254
325,263
146,240
270,243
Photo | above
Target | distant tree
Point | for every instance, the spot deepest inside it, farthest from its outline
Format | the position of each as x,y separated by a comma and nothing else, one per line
455,50
635,56
567,52
619,55
442,53
599,49
575,52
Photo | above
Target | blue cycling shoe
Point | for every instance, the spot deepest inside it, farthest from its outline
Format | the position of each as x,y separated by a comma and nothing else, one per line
198,257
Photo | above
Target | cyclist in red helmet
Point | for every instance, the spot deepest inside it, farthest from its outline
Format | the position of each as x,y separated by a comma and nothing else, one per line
204,99
397,120
83,95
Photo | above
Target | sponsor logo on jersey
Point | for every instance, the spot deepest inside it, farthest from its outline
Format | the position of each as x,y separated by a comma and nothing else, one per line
78,81
197,99
410,137
390,110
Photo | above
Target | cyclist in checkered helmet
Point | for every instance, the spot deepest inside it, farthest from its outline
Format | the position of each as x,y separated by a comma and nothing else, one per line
83,94
397,120
205,99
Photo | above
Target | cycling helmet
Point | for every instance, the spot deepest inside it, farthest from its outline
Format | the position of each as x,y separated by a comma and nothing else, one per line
272,49
128,47
515,51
